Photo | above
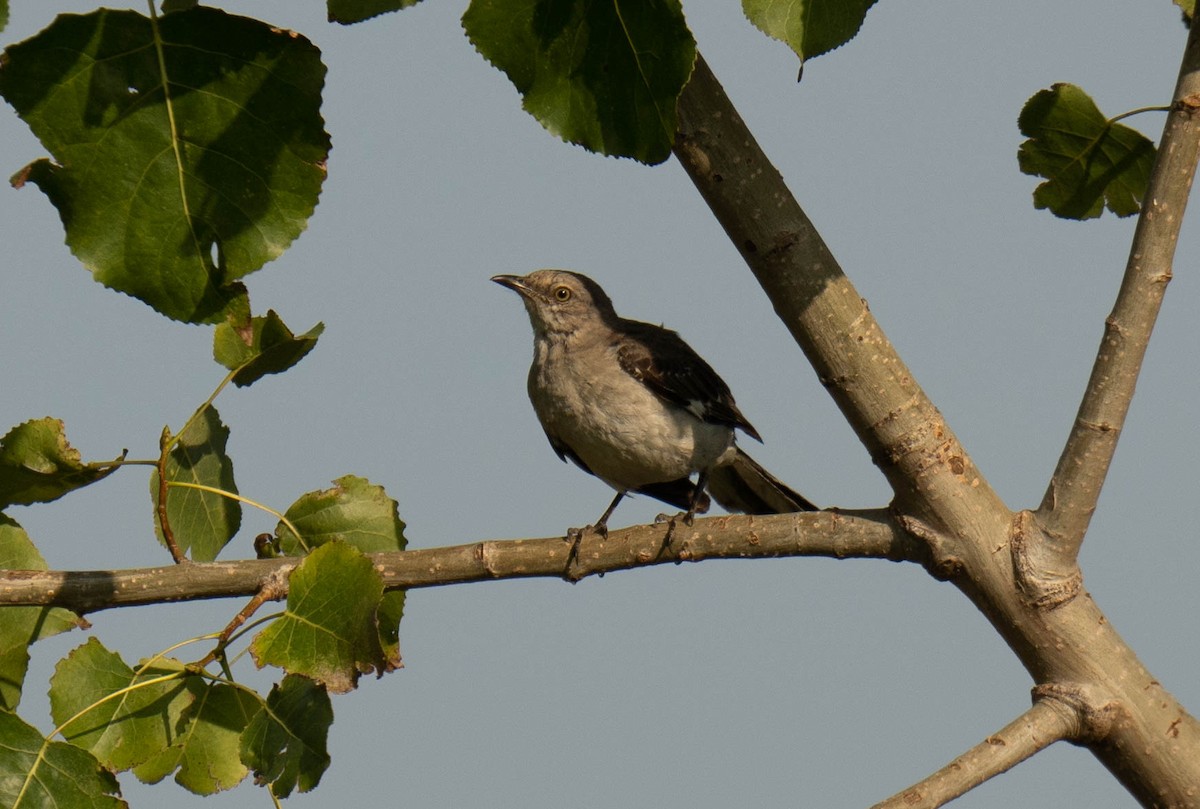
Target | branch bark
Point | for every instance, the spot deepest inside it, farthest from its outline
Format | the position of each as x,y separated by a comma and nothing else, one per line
1074,488
1042,725
1154,748
907,437
864,534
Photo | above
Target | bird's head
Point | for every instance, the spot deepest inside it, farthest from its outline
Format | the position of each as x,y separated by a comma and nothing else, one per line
559,301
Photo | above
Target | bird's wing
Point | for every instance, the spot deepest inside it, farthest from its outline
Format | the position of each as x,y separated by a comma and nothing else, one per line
565,453
664,363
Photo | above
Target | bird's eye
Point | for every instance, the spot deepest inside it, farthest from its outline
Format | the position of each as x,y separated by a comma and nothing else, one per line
562,294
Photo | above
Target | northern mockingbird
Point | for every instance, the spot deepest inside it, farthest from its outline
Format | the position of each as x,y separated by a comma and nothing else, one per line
634,405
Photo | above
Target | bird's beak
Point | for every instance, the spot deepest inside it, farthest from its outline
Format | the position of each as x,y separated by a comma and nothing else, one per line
514,282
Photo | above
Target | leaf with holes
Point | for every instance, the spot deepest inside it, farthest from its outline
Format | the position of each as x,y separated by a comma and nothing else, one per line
188,150
603,75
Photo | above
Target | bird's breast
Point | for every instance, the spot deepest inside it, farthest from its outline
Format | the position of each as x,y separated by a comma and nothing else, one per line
625,433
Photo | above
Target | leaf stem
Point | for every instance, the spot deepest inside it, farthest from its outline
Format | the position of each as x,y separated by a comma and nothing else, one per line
247,501
174,439
273,588
164,521
1138,111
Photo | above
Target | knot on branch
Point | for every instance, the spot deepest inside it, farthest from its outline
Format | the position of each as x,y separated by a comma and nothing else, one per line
275,585
1043,578
941,562
1093,713
1188,104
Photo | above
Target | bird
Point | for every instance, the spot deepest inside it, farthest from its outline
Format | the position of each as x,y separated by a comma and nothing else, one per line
633,404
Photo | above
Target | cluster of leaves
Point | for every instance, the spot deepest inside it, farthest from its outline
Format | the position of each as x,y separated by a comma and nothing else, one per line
165,715
187,150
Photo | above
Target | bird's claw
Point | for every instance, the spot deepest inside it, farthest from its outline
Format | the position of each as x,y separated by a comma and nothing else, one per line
575,537
670,520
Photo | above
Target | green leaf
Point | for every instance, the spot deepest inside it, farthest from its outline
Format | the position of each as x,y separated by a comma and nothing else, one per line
50,775
207,749
285,742
37,464
808,27
126,730
266,347
201,521
22,626
187,151
355,511
329,630
1088,161
352,11
603,75
3,14
359,513
1188,7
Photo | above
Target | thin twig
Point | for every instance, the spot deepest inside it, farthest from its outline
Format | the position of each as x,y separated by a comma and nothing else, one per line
273,588
1071,496
164,523
1042,725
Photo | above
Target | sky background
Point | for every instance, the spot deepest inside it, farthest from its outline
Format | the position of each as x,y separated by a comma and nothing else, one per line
768,683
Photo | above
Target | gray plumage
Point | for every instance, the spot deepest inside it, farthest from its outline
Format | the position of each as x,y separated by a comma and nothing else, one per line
634,405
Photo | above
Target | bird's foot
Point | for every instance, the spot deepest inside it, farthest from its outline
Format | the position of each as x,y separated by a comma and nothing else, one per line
575,537
670,520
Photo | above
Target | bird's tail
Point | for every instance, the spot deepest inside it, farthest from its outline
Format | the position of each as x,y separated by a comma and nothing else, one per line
745,486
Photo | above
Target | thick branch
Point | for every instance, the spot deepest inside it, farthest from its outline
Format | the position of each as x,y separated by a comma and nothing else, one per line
1047,722
863,534
1070,498
905,434
1060,636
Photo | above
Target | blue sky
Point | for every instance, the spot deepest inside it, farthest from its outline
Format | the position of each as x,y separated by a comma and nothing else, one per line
770,683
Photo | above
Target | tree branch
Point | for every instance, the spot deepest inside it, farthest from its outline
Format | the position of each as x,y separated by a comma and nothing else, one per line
1060,636
1074,488
907,437
1047,722
869,534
